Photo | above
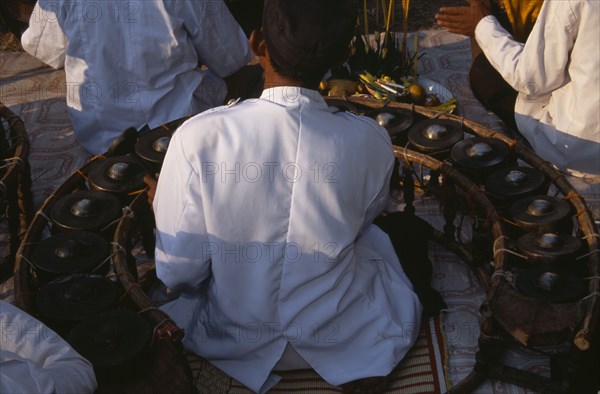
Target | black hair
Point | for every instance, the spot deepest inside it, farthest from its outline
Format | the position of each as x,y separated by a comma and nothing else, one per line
305,38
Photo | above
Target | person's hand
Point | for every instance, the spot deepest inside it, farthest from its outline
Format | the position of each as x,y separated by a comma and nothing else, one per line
462,20
151,182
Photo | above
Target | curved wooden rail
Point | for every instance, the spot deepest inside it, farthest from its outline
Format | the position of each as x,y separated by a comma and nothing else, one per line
24,278
15,185
165,327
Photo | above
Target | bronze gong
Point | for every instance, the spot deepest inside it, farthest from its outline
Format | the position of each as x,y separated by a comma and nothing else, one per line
435,135
549,248
542,213
152,146
119,174
477,157
76,297
91,210
394,120
550,285
510,184
71,252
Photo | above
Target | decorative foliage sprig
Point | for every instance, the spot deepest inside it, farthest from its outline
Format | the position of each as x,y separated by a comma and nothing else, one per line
385,54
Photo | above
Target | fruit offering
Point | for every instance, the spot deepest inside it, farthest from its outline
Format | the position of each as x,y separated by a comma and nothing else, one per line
408,91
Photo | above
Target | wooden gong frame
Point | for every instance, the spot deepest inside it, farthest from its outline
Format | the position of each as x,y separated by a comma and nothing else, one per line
496,335
170,370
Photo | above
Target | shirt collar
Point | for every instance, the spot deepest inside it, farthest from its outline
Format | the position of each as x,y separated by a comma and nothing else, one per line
293,96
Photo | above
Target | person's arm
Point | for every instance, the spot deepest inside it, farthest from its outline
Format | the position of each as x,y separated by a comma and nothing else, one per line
151,182
380,199
219,40
44,38
34,359
540,65
182,244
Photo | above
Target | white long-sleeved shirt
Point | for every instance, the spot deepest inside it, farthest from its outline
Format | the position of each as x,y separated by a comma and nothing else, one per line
135,63
34,359
263,218
557,75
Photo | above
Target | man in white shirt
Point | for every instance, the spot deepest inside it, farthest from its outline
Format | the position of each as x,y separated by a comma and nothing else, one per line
557,75
136,63
264,216
34,359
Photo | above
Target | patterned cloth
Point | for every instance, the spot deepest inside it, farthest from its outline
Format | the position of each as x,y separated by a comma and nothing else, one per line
420,372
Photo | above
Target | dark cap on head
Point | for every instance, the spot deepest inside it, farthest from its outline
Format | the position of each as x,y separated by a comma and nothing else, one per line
307,37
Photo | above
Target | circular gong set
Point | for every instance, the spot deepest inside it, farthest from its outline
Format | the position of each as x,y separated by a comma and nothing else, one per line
528,248
535,254
68,275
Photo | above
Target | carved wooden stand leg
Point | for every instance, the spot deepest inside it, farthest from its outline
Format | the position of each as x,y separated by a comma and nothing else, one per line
490,351
12,216
145,218
566,368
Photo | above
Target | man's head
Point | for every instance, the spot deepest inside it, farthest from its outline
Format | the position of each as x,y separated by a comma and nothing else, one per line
304,38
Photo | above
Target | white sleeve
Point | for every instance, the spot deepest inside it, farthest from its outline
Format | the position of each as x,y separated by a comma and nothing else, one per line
44,38
540,65
384,156
220,41
34,359
380,200
183,248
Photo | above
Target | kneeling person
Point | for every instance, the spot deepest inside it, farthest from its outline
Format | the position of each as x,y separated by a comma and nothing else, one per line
264,216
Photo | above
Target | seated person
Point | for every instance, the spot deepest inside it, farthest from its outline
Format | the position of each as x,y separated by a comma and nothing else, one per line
34,359
557,75
136,64
488,86
264,214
